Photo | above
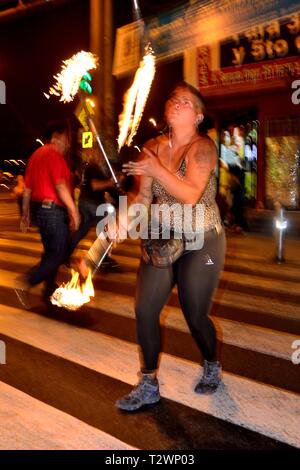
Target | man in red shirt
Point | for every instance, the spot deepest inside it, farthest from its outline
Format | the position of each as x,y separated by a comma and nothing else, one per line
48,192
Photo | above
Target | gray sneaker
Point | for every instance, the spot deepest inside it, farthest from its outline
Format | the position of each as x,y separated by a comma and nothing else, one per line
146,392
210,379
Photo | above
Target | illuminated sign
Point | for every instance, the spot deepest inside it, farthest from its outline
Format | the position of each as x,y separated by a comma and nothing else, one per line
196,24
269,41
276,69
80,112
87,140
264,52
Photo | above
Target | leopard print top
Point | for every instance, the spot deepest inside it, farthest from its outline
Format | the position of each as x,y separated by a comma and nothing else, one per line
203,216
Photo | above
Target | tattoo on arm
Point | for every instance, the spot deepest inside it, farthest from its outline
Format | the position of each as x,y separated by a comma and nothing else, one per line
145,195
205,156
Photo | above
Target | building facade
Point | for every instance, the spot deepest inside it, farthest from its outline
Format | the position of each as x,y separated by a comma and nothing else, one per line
251,83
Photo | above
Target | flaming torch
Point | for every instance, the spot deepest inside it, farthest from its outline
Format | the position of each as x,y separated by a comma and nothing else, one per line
73,77
136,97
69,78
69,82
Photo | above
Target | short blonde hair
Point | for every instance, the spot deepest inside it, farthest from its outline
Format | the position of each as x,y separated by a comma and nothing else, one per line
185,85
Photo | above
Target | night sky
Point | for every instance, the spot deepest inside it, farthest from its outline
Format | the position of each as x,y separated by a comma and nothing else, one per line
31,51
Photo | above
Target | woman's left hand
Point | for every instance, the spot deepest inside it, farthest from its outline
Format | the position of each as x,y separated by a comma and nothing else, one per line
149,166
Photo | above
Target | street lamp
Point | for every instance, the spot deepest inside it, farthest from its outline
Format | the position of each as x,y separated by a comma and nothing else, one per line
281,226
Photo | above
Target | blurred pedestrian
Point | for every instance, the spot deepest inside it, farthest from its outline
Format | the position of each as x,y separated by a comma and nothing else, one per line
237,187
18,191
48,191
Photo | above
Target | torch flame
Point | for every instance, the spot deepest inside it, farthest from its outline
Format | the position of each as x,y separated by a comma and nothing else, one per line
135,99
74,294
72,71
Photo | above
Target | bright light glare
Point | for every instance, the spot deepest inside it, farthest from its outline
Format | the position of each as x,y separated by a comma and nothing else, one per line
281,224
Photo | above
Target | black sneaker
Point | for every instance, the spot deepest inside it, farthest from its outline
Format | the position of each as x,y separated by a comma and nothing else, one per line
145,393
210,379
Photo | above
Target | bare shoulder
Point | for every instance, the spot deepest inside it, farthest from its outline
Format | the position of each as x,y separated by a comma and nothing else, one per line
203,151
154,143
205,143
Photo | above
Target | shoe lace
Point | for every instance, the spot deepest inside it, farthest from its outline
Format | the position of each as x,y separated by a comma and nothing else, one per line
210,373
139,388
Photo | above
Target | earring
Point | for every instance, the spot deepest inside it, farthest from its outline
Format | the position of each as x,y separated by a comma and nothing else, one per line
170,137
198,121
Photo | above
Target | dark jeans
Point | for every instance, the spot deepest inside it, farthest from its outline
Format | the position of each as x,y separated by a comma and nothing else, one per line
88,219
53,226
196,274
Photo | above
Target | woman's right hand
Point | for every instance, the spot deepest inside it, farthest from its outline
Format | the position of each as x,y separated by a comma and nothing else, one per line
149,166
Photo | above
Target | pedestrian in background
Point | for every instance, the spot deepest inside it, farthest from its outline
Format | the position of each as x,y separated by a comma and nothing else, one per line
94,191
49,194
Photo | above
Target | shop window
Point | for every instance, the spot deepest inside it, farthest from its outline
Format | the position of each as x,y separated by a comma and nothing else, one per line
283,163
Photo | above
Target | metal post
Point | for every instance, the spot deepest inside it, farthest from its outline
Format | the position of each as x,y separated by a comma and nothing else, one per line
98,139
101,43
108,117
281,225
96,46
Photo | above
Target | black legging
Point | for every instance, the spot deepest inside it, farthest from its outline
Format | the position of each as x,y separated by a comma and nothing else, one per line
196,274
